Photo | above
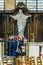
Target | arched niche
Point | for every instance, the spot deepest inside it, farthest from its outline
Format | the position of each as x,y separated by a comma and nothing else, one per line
25,11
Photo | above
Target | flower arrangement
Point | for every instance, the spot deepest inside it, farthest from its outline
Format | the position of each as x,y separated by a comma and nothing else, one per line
7,33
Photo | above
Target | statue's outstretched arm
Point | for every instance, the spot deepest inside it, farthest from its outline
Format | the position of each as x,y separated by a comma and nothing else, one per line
14,17
28,16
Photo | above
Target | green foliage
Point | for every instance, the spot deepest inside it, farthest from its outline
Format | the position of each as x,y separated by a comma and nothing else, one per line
8,33
32,33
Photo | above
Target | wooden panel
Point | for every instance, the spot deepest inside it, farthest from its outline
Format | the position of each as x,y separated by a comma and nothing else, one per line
39,61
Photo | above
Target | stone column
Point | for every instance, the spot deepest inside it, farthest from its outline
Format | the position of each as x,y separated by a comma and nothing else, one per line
1,49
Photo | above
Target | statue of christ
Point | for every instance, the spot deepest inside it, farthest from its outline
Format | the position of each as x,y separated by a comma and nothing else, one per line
21,21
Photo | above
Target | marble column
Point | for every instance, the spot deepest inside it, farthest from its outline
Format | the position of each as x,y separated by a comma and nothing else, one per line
1,49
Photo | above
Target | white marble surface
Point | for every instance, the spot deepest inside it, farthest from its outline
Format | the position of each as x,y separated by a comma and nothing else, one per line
1,49
32,49
35,43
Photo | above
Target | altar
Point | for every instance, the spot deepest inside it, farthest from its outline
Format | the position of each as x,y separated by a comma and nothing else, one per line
34,49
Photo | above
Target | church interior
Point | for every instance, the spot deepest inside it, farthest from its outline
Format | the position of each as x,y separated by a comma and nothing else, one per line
21,32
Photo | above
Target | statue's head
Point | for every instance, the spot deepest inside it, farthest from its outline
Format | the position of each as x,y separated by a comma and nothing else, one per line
20,11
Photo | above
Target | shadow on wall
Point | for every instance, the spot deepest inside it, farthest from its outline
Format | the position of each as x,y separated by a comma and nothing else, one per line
1,26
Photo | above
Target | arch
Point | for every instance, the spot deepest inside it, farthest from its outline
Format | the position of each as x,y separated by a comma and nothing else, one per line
22,6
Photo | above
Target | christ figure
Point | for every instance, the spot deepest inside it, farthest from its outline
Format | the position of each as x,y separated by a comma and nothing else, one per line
21,21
